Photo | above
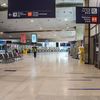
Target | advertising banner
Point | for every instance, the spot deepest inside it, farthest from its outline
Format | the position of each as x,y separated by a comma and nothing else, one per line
23,38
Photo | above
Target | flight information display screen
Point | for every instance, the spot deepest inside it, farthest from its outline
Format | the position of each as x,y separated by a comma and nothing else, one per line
31,9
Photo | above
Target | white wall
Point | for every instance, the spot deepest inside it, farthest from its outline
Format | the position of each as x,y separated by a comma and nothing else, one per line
79,32
49,44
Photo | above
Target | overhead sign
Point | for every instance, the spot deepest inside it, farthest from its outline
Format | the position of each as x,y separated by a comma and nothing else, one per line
87,15
23,38
34,38
31,9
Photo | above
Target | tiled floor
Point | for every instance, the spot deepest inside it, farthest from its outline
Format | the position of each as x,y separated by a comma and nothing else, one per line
51,76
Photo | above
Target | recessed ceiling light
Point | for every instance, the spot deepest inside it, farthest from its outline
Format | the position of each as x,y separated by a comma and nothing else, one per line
67,27
4,5
66,19
32,20
55,35
1,33
41,28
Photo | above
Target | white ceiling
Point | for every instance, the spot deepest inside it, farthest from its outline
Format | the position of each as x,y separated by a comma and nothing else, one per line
64,22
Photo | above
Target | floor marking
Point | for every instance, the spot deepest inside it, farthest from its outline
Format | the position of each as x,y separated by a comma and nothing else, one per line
84,89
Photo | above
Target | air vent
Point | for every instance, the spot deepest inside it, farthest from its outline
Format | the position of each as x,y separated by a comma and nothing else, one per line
10,70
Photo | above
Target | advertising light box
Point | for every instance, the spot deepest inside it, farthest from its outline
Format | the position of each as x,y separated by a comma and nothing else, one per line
34,38
31,9
23,38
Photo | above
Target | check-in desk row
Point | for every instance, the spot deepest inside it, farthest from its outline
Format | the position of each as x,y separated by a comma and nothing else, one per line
51,50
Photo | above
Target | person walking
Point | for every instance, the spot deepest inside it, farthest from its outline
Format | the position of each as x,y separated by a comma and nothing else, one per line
34,49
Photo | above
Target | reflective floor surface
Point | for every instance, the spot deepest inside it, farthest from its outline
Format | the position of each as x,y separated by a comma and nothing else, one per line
51,76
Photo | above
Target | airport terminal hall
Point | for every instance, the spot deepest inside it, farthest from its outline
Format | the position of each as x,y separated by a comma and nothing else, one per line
49,49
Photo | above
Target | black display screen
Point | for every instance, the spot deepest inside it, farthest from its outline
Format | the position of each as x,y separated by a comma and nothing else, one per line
31,8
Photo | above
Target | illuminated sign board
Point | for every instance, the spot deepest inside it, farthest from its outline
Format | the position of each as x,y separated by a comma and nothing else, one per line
34,38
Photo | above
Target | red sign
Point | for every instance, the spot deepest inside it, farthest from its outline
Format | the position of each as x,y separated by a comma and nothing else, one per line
23,38
88,15
95,19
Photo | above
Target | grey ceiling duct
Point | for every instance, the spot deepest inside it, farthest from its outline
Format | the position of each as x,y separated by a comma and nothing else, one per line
69,4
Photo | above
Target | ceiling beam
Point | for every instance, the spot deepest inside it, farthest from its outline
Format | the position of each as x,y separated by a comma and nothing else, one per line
68,4
57,5
35,31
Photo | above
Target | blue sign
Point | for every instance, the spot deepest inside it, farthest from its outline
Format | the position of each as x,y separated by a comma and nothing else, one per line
34,38
87,15
2,42
31,9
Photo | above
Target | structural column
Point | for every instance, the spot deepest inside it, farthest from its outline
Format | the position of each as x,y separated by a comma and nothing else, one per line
87,38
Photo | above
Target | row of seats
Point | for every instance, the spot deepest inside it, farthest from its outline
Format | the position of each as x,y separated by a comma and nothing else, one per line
10,57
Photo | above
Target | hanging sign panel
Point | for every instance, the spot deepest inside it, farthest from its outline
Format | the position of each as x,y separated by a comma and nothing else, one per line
31,9
87,15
